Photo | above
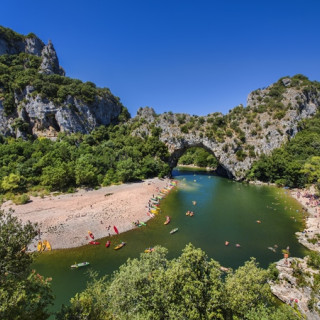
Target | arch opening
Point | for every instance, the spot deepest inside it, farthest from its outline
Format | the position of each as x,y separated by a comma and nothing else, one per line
200,156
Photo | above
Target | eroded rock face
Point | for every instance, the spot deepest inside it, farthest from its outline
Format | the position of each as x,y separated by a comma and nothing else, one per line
288,290
50,62
42,117
272,132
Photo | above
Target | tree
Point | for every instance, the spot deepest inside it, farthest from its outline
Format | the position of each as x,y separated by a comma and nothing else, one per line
247,288
188,287
85,172
11,182
24,294
312,170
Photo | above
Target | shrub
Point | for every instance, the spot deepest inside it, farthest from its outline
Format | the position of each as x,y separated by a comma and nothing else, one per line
21,199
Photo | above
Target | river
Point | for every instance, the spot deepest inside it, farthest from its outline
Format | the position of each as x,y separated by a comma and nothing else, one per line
224,211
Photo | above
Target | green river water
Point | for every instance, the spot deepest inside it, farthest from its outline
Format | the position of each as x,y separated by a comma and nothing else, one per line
225,211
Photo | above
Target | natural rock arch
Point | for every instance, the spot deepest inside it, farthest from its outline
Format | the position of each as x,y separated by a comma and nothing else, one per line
177,153
252,131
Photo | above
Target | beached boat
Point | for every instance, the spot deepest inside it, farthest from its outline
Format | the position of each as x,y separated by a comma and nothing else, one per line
115,230
44,245
39,246
108,244
119,246
143,223
167,220
136,224
174,230
91,235
49,246
94,242
81,264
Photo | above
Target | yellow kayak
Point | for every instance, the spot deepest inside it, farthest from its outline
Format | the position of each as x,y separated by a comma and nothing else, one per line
119,246
39,247
48,246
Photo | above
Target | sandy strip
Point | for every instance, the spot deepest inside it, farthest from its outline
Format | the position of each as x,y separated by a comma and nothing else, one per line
310,202
65,220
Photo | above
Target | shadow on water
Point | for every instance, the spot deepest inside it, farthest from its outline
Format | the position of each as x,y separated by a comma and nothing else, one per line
224,211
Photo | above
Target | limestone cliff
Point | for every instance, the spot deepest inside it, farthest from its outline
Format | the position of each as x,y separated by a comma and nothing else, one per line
36,98
271,117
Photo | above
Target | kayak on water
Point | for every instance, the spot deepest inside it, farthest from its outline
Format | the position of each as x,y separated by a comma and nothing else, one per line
119,246
174,230
81,264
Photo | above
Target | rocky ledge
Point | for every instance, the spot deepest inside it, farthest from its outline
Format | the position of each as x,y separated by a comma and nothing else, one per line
294,286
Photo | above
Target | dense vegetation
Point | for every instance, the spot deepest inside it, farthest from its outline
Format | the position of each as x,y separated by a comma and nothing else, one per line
199,157
296,163
24,294
107,155
188,287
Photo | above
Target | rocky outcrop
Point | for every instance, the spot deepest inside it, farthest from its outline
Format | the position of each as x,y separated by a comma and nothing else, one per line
247,132
50,62
40,116
292,291
14,43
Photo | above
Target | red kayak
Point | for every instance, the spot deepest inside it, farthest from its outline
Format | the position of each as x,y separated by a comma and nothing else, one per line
108,244
91,235
94,242
115,230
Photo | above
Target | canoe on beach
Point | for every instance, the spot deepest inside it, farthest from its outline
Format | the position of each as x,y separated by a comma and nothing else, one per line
94,242
91,235
115,230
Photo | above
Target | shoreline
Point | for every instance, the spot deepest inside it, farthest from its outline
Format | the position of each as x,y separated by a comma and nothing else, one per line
306,197
65,220
311,204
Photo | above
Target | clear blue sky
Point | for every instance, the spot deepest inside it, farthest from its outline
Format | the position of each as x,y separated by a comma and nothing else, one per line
195,56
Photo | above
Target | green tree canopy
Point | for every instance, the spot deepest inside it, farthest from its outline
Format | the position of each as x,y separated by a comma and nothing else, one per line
24,294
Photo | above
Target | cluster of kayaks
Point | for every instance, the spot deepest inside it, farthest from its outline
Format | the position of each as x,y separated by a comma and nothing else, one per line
44,245
154,210
155,200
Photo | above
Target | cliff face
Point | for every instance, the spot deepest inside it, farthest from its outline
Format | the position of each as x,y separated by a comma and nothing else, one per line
45,106
237,139
14,43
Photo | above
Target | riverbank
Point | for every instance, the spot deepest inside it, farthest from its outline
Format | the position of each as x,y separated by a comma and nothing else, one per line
310,236
64,220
